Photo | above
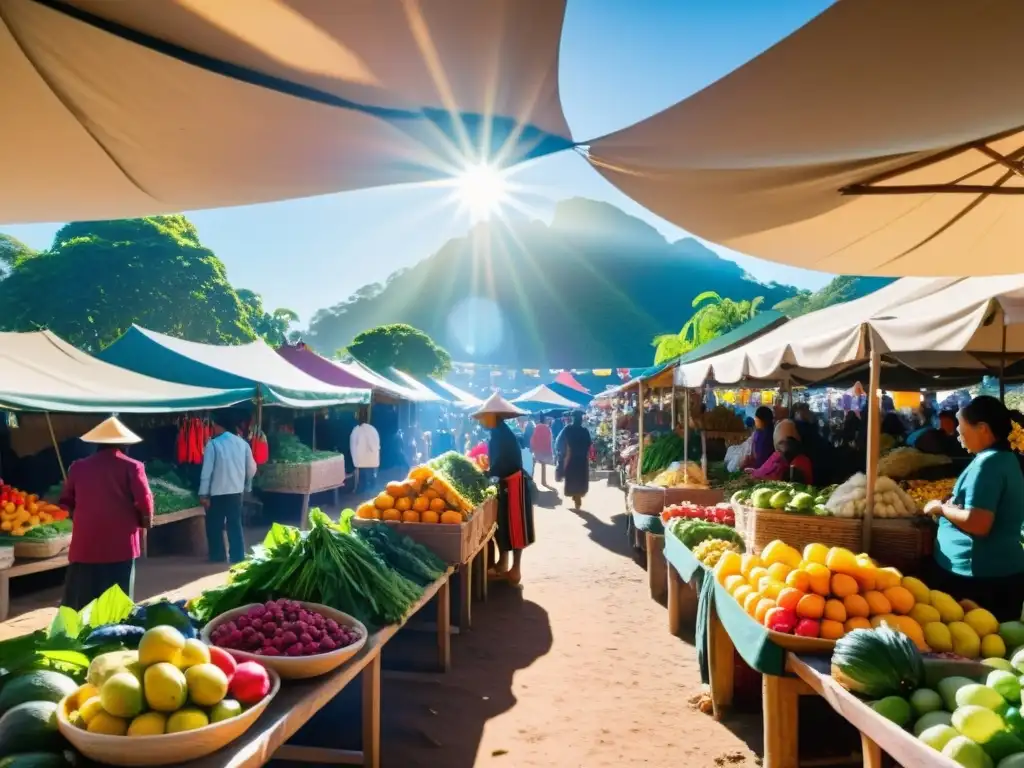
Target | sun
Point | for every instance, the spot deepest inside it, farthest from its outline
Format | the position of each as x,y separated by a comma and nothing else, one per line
482,189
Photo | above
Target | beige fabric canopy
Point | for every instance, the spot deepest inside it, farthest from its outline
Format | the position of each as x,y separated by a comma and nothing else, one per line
116,108
881,138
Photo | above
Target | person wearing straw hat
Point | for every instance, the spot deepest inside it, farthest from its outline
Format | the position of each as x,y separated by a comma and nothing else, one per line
109,499
515,508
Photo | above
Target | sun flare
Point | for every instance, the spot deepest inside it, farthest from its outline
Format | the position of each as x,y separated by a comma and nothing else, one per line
482,190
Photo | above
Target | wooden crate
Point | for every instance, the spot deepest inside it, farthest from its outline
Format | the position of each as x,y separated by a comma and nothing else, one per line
454,544
308,478
41,548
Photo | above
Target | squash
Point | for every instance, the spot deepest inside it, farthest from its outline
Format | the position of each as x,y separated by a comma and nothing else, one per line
876,663
451,518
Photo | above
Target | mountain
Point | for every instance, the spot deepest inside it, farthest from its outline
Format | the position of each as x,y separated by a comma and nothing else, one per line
589,290
839,289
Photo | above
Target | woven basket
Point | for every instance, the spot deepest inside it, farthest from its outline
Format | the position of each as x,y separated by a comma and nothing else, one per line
650,500
37,550
758,527
904,543
311,477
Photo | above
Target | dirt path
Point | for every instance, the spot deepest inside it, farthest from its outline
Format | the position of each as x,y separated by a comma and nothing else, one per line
576,669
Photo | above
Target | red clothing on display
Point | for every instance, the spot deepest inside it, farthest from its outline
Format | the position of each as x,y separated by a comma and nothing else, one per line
108,495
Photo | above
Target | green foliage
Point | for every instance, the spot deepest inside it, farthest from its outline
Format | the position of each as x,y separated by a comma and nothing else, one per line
12,253
586,291
713,317
99,278
840,289
403,347
273,327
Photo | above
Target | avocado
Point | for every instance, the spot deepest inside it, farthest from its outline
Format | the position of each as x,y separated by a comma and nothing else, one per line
779,500
761,498
803,502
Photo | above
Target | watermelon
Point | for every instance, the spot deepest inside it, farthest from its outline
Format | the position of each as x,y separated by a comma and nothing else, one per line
30,727
34,760
40,685
876,663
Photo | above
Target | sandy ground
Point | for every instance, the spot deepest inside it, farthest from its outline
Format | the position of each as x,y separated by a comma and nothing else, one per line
576,668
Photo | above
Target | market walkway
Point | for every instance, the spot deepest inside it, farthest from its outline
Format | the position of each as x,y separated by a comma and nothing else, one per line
576,669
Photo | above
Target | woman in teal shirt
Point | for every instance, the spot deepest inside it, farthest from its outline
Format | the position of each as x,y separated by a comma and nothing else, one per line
978,548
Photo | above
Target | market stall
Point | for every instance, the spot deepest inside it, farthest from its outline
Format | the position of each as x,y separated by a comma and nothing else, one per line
292,468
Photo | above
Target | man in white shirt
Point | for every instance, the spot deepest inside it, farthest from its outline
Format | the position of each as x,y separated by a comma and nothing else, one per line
228,470
364,445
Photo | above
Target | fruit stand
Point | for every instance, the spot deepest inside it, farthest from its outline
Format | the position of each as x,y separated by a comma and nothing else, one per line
325,472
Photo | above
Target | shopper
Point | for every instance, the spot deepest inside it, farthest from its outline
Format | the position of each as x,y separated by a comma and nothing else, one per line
576,465
542,445
228,470
364,447
109,500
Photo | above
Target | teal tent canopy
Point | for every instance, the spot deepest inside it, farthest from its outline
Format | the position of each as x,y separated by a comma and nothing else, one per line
42,372
253,367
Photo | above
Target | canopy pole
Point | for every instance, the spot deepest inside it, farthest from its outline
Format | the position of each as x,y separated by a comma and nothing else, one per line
874,443
615,419
56,448
1002,367
314,431
640,433
686,436
673,407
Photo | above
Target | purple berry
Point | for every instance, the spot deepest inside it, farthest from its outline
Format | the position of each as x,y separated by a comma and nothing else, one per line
315,634
256,624
327,645
310,649
295,650
305,639
269,626
290,638
242,622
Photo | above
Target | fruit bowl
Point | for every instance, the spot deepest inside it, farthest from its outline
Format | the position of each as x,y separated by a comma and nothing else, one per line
296,667
165,749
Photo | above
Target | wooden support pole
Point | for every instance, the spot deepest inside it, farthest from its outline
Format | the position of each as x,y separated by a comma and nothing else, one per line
56,448
640,433
874,428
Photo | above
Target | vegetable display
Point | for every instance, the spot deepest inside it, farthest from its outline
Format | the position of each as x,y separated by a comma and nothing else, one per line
425,496
830,592
722,418
923,491
662,451
21,513
464,476
850,499
286,448
411,559
686,474
720,513
171,492
327,564
974,721
904,461
283,628
794,498
693,532
710,551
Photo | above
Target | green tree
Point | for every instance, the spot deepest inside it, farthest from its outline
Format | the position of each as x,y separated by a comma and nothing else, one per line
713,316
98,278
400,346
273,327
12,253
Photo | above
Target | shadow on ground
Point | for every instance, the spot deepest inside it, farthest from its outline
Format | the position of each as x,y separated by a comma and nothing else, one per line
439,720
611,535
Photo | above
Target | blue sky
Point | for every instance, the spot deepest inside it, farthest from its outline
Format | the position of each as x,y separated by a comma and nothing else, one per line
620,62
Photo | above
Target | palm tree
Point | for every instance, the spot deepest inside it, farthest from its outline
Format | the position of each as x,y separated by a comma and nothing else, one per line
713,317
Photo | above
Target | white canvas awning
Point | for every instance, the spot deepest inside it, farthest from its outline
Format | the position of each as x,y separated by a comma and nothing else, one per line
117,108
881,138
543,398
813,347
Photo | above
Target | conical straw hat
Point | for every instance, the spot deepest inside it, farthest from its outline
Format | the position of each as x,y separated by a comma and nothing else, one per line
111,432
498,406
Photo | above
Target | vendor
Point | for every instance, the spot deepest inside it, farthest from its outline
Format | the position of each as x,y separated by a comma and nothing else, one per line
515,509
109,500
763,442
978,554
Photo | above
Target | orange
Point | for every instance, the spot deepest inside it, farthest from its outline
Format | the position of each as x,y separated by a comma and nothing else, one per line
731,582
750,602
779,571
866,579
878,603
761,609
384,501
843,585
831,630
421,504
841,560
403,503
789,598
857,622
430,493
429,516
820,578
366,512
391,514
811,607
900,598
799,579
395,489
911,629
835,611
886,578
437,505
410,516
856,606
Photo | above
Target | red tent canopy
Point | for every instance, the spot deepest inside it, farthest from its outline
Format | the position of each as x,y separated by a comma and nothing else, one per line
566,379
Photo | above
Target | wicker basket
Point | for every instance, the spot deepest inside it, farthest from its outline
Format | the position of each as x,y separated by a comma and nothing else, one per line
904,543
650,500
311,477
41,548
758,527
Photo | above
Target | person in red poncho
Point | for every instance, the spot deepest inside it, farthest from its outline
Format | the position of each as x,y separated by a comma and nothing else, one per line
109,499
542,445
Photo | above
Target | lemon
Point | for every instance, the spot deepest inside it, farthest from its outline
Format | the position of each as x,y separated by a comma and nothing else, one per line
161,643
108,725
194,652
90,708
166,689
121,695
187,720
207,684
85,692
149,724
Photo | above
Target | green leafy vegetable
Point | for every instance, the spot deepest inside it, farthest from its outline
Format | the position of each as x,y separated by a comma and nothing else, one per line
464,476
692,532
286,448
409,558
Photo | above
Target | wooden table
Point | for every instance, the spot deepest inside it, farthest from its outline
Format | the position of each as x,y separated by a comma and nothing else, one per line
473,580
812,675
24,568
657,568
196,529
299,700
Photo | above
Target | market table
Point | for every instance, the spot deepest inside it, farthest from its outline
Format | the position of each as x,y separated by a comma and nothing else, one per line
304,480
299,700
877,735
25,568
684,575
473,579
196,517
657,576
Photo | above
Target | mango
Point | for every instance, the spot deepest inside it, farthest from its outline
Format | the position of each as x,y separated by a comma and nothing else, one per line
938,637
966,642
948,608
918,589
982,622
